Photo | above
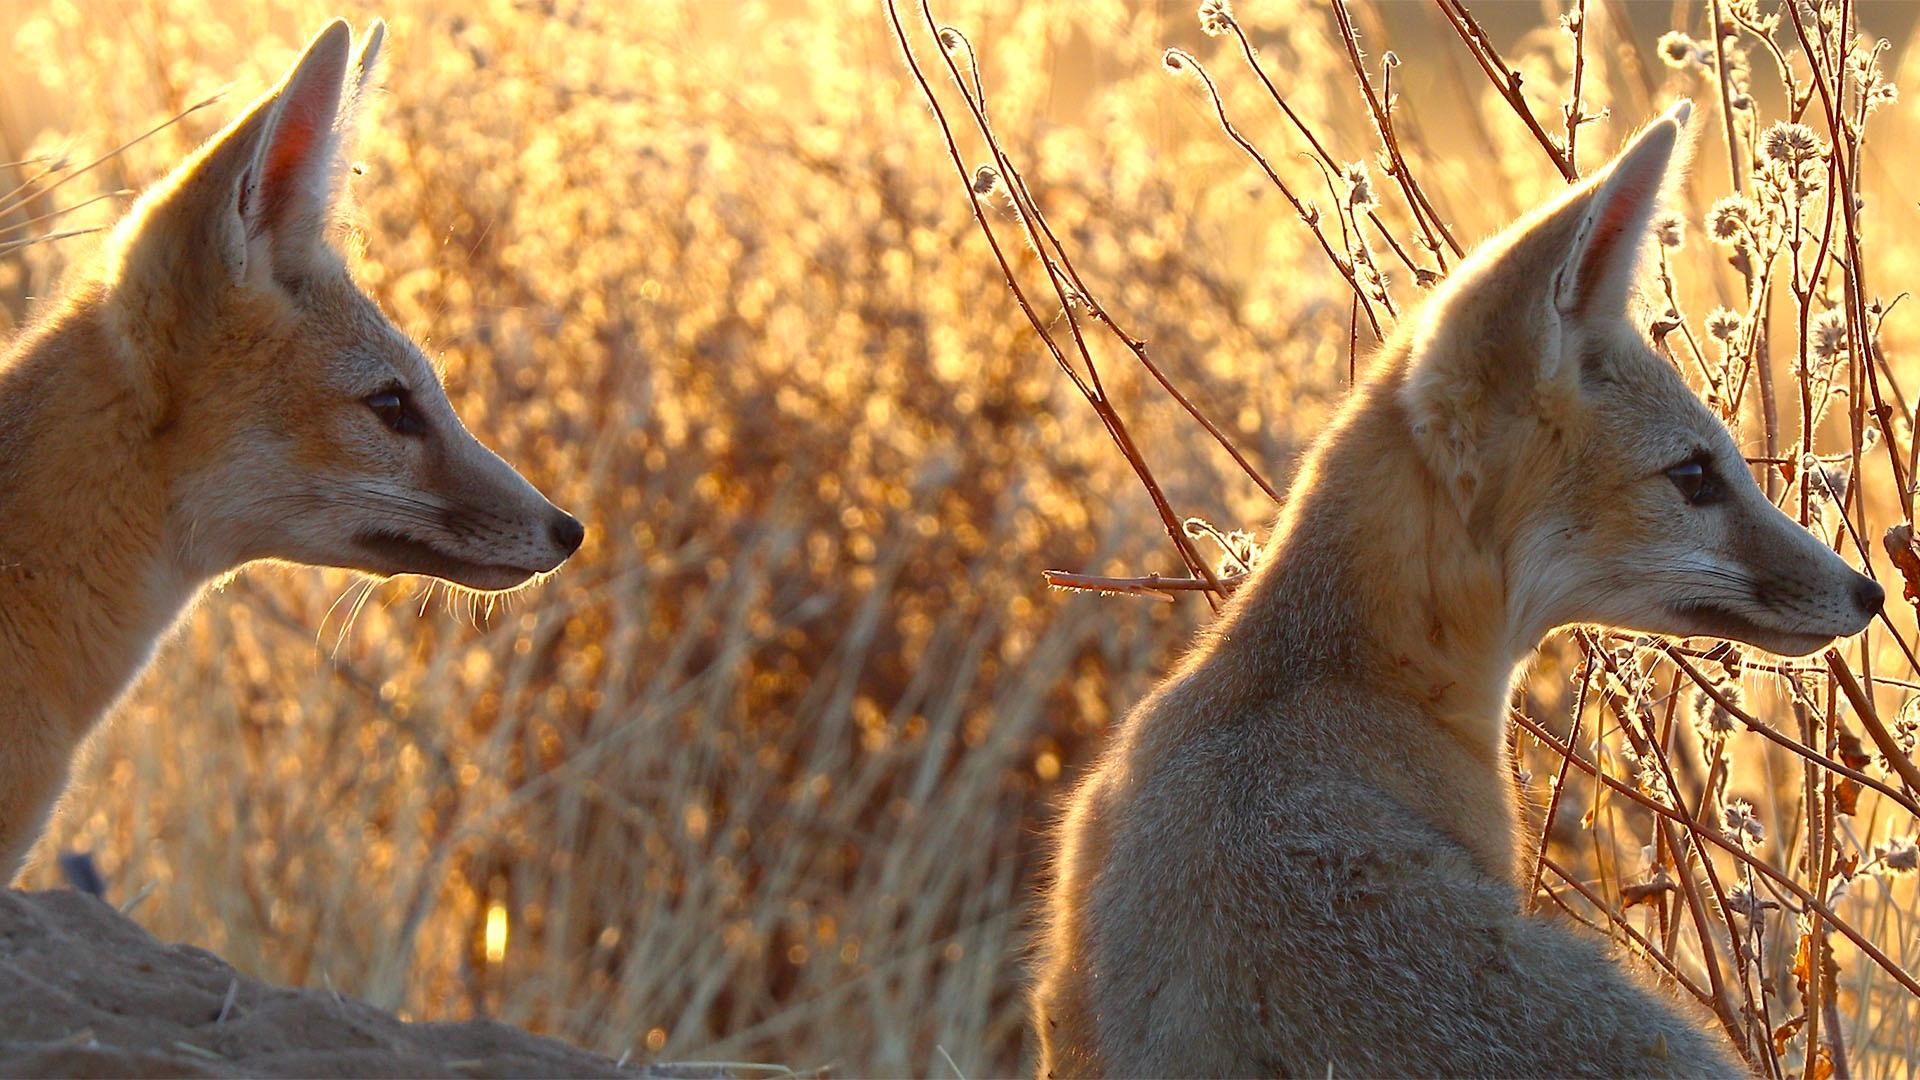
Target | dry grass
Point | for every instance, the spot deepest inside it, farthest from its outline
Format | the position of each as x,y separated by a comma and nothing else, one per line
762,775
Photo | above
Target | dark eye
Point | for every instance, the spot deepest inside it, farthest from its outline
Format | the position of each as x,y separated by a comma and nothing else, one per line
1695,481
396,410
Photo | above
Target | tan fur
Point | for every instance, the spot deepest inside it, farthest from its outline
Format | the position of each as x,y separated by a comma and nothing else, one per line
1299,854
203,400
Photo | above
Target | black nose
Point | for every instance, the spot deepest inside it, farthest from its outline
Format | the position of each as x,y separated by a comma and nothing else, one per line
1869,595
567,532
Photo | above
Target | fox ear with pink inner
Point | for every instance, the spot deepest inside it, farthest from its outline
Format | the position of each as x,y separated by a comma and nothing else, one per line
1598,275
298,173
287,192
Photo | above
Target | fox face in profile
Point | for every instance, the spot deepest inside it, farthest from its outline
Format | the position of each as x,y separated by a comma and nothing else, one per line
304,425
1620,498
220,392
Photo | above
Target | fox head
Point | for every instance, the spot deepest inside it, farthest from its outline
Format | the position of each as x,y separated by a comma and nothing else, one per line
293,420
1614,496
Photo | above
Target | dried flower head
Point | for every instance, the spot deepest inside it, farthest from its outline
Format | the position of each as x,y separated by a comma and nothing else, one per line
1862,65
1216,17
1670,229
1742,900
1828,480
1678,50
1731,219
1900,854
985,179
1906,724
1828,334
1723,324
1359,185
1742,824
1789,143
1709,716
1651,779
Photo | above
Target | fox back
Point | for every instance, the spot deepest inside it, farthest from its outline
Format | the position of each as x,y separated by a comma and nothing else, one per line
1298,854
218,391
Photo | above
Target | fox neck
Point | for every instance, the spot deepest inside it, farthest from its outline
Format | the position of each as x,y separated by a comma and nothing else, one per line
90,578
1375,582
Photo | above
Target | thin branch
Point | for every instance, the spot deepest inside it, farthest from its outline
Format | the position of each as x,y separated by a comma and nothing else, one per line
1146,585
1886,963
1505,80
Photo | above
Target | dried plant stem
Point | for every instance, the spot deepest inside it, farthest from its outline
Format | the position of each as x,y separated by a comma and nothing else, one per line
1818,798
1648,745
62,212
1090,388
1145,585
31,188
1797,97
1575,114
1306,213
66,234
1866,945
1381,113
1620,923
1806,752
1095,308
1870,719
1836,1040
1560,777
1735,173
1505,80
1327,160
1858,323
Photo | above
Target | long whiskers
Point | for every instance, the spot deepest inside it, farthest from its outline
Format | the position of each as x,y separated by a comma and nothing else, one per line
353,614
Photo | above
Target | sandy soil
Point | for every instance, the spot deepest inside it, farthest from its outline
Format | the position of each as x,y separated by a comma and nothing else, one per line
85,991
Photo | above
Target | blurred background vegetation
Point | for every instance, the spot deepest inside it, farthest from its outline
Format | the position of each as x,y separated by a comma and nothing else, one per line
764,773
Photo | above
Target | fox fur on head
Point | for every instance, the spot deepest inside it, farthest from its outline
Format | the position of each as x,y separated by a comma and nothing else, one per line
219,392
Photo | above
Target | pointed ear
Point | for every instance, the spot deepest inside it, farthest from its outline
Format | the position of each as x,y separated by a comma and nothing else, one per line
367,62
363,78
286,194
1598,274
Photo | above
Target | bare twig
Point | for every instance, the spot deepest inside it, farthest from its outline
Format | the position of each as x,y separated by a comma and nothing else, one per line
1505,80
1382,114
1784,881
1145,585
1575,114
1182,60
1058,277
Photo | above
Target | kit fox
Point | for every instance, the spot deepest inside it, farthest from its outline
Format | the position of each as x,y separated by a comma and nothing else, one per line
218,391
1298,854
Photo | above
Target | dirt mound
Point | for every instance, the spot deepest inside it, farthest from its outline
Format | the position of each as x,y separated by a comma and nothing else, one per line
86,991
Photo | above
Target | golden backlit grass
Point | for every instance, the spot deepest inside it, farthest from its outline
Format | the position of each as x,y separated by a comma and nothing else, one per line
763,774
